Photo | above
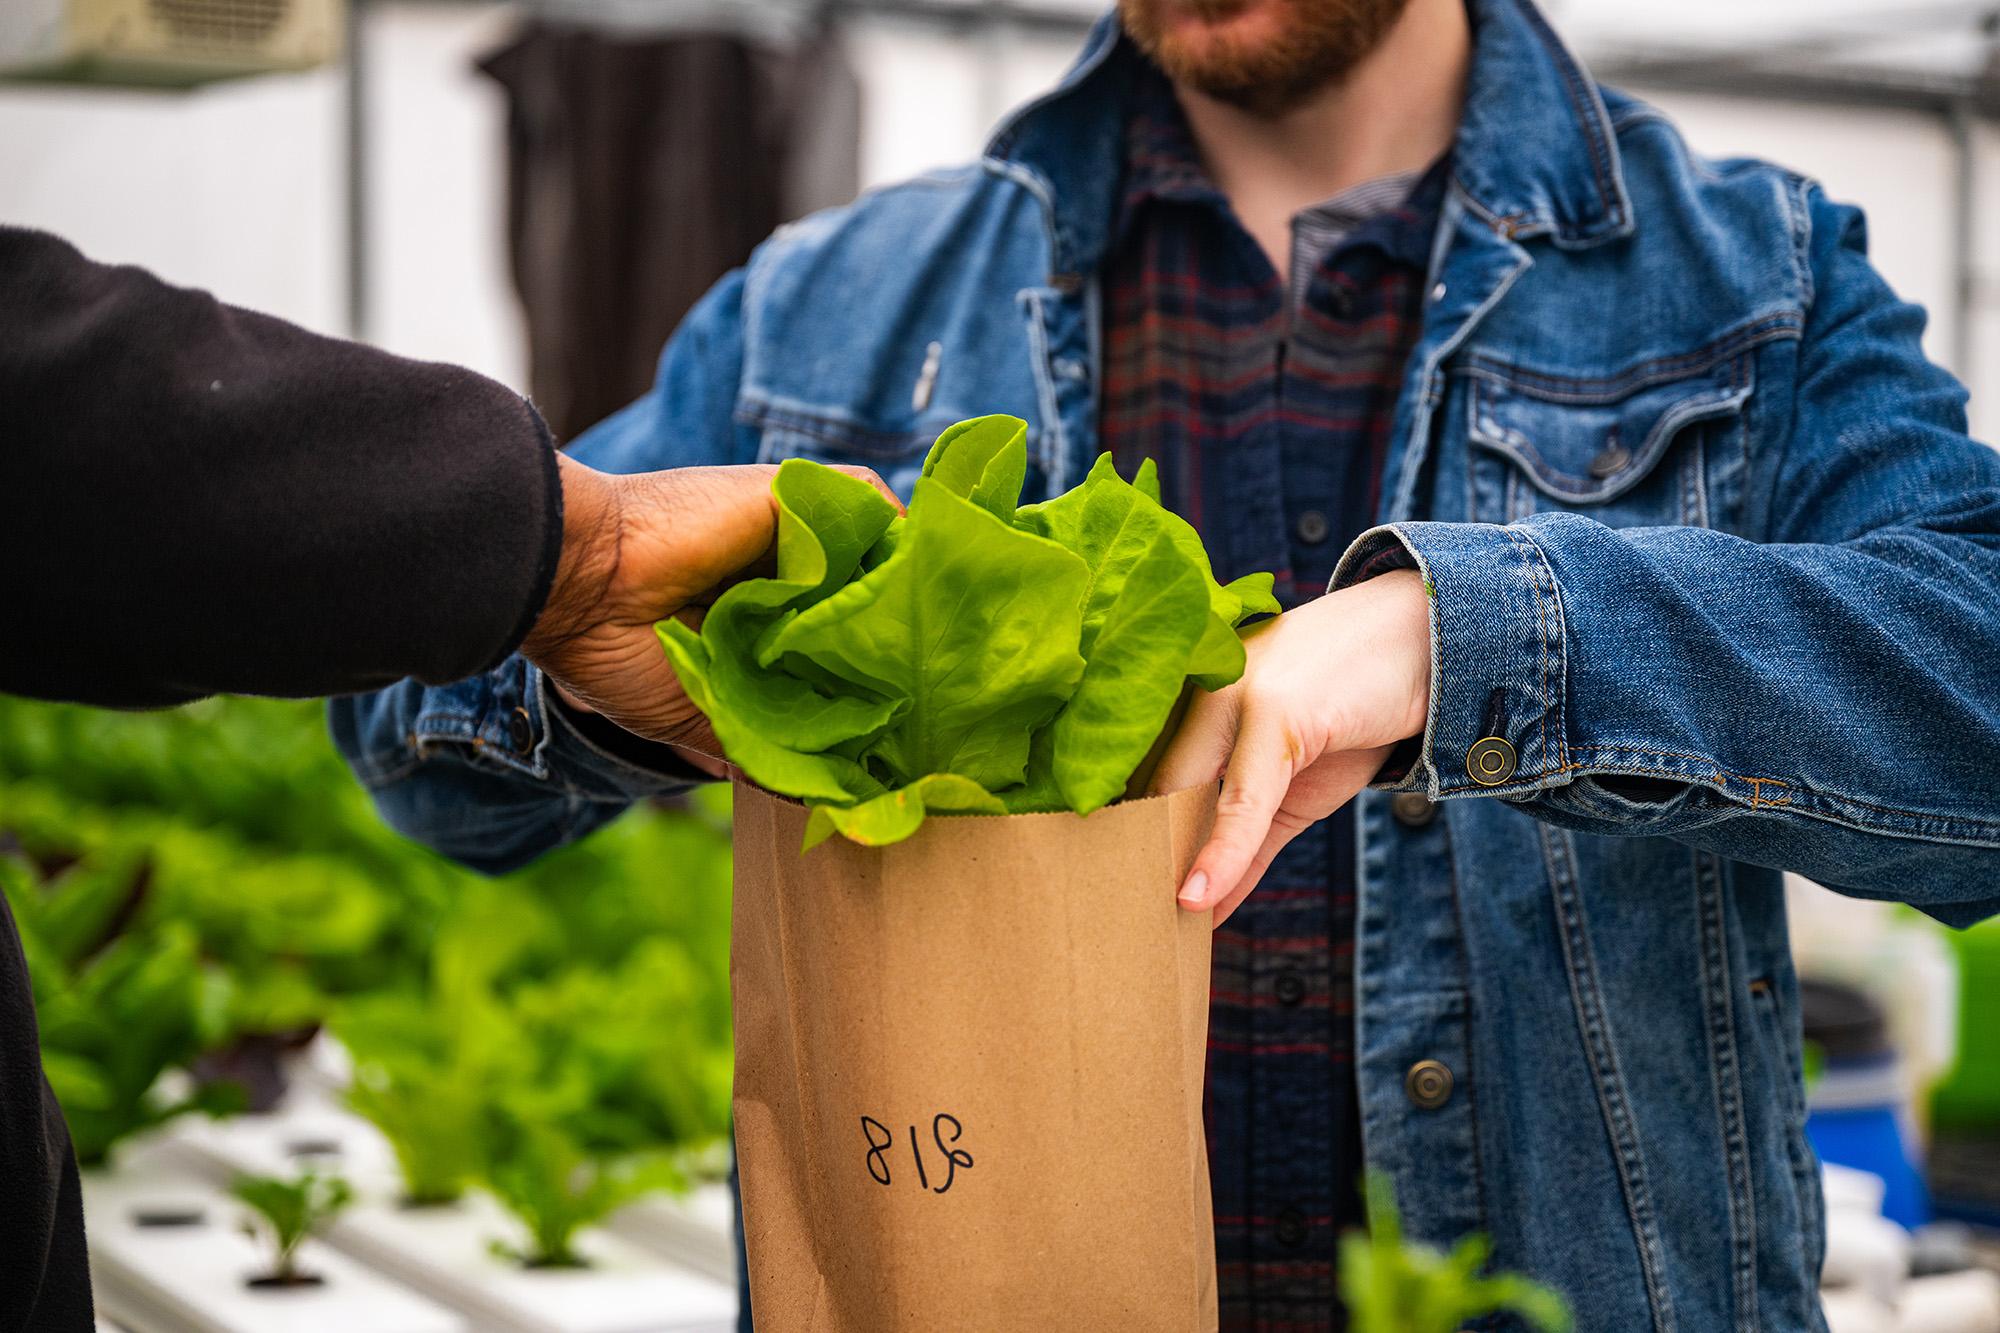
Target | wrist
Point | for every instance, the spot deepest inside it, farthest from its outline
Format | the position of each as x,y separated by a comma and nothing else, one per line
590,544
1406,632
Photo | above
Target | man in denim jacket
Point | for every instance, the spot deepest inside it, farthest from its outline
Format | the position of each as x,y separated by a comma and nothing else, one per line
1680,571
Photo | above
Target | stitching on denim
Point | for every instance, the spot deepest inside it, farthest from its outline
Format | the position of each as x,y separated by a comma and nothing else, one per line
1541,636
1656,370
1798,200
1666,428
1722,776
1560,647
1419,445
1531,556
1460,935
1472,201
651,780
375,773
1789,1067
1725,1070
1590,112
1587,1000
1694,483
860,439
1055,447
1826,806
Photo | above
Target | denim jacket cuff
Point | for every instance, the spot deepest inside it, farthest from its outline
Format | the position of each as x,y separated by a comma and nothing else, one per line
509,719
1498,655
596,768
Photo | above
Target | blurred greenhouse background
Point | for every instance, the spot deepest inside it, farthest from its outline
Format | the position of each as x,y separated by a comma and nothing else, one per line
206,894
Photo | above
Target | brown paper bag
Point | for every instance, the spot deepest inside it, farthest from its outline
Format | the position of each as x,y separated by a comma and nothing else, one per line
969,1073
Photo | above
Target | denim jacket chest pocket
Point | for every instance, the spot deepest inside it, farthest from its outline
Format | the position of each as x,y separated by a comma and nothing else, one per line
896,454
895,450
1629,450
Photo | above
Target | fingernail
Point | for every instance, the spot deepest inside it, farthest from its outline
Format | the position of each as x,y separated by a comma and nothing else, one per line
1197,884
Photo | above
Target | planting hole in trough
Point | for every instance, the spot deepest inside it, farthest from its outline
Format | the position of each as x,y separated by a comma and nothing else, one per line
154,1216
294,1282
313,1148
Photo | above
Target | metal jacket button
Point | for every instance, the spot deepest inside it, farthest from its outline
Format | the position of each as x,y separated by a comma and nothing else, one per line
1610,461
521,731
1490,762
1291,988
1412,809
1313,527
1428,1084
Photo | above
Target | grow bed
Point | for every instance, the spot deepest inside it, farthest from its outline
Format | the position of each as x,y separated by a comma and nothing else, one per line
447,1253
167,1257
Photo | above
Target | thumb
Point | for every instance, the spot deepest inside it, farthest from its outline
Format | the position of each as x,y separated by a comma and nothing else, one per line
1260,773
1200,746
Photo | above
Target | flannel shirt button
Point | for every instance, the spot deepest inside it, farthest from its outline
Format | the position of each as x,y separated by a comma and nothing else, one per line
1412,809
1428,1084
1312,527
521,731
1290,1231
1490,762
1291,988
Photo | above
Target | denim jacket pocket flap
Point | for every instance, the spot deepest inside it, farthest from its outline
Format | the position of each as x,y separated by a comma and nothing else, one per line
896,452
1589,441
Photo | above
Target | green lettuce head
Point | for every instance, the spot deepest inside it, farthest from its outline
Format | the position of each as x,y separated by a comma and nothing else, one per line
972,656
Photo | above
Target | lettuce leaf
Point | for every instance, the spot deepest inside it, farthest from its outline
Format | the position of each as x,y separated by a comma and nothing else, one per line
970,656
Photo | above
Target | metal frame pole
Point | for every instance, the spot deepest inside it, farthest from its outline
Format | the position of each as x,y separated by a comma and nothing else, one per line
1962,123
355,132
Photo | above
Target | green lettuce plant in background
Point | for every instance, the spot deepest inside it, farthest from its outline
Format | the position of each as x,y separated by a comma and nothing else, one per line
564,1095
283,1213
189,881
971,656
1391,1285
117,1010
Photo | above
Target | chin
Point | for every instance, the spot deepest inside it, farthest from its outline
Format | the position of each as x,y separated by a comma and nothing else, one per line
1199,36
1261,55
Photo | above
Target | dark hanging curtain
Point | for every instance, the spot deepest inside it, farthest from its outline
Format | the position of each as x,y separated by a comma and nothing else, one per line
640,170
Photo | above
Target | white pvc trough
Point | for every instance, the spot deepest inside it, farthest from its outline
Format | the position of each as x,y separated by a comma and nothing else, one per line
447,1253
697,1231
167,1256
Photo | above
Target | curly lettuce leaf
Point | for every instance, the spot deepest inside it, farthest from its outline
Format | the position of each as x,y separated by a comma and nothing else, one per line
984,460
970,656
774,726
895,815
975,622
1141,639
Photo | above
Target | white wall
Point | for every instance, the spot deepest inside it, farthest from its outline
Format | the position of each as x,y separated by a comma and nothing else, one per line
238,188
232,189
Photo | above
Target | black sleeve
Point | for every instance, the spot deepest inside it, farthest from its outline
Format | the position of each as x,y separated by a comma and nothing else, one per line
198,499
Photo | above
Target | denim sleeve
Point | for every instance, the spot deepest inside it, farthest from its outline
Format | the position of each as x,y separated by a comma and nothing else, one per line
1827,701
488,770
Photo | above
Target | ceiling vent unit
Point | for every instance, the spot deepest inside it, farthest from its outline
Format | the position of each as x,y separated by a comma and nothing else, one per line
165,43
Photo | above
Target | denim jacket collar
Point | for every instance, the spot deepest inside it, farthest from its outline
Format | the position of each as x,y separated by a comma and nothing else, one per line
1535,152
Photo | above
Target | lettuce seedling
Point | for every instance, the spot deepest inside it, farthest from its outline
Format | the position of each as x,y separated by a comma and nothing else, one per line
556,1188
1395,1286
972,656
285,1212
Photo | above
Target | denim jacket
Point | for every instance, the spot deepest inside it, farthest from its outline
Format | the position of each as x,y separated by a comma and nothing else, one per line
1716,594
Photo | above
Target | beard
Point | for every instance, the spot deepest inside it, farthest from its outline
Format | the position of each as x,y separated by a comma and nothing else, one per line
1264,56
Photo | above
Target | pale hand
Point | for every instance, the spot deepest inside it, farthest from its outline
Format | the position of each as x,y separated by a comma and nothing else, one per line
1328,692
